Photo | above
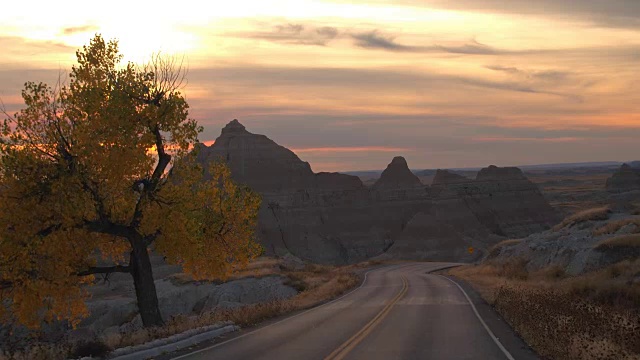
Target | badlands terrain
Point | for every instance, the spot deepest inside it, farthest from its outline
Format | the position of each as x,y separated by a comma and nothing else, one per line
335,218
569,232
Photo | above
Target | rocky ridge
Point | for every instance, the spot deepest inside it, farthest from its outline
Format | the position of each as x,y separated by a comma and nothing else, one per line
574,247
334,218
397,176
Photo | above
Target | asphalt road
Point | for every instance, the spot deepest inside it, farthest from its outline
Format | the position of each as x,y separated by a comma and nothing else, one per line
399,312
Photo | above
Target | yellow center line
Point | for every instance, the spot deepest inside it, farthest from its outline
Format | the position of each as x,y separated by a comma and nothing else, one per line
349,345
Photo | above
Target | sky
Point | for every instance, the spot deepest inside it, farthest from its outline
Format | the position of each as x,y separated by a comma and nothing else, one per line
348,85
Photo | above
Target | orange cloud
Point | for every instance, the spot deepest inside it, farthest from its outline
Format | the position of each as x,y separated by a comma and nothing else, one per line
514,139
339,149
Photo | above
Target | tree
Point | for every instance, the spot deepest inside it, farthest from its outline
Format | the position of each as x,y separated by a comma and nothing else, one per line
103,169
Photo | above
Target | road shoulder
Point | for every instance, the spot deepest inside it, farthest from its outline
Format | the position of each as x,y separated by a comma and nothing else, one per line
507,336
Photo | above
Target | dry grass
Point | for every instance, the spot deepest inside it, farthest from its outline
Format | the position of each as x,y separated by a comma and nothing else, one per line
617,242
261,267
39,352
495,249
593,316
613,226
595,214
316,283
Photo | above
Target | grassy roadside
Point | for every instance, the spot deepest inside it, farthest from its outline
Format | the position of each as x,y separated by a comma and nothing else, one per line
593,316
316,284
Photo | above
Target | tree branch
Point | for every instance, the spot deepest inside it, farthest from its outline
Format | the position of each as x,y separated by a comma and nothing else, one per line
5,284
163,158
106,270
108,228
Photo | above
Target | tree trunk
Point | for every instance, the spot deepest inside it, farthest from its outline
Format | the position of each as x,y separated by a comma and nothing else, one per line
146,294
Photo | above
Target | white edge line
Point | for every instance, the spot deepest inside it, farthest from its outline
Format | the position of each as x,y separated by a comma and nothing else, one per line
495,339
291,317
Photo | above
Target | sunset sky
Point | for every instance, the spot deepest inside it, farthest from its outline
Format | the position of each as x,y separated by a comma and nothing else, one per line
348,85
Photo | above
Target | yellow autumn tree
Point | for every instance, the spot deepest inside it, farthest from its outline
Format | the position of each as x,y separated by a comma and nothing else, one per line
103,169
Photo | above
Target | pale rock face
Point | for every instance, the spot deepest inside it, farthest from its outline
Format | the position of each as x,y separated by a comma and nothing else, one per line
397,176
572,248
627,178
334,218
119,307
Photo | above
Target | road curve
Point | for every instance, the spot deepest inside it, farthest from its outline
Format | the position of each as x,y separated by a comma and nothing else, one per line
399,312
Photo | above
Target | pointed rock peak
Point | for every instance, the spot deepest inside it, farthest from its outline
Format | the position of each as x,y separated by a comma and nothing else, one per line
446,177
399,161
500,173
625,167
397,175
234,127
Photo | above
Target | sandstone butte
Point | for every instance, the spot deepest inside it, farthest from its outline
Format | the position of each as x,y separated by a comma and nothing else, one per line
627,178
334,218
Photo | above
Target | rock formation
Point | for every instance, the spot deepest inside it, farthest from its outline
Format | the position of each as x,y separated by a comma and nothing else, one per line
627,178
334,218
494,173
257,161
507,203
397,176
574,247
445,177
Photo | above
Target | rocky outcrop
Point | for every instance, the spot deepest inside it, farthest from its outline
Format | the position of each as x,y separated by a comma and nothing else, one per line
574,247
627,178
494,173
257,161
334,218
445,177
507,203
336,182
397,176
119,307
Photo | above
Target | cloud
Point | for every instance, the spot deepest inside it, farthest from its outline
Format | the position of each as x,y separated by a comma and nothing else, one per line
528,139
18,47
350,149
473,48
545,75
605,13
274,76
375,40
72,30
297,34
